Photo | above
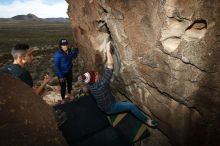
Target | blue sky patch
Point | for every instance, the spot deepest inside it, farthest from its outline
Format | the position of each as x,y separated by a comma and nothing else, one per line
40,8
6,2
48,2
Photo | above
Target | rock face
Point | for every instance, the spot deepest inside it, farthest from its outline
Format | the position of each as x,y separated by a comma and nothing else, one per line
167,57
25,118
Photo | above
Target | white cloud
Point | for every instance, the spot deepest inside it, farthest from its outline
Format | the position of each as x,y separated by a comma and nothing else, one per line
37,7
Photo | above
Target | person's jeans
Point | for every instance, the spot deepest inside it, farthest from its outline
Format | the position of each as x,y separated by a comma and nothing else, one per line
128,106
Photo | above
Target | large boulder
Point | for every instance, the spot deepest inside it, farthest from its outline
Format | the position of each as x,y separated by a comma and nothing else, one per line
26,120
166,57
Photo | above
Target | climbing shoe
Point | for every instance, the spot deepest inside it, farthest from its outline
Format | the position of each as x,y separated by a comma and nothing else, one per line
152,123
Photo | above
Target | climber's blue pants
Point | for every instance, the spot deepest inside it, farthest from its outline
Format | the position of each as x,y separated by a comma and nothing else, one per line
128,106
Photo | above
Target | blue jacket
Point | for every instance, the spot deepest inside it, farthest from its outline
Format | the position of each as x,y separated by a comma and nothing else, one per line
63,61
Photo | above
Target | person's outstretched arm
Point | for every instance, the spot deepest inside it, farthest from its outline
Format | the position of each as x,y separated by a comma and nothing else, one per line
109,62
106,76
38,90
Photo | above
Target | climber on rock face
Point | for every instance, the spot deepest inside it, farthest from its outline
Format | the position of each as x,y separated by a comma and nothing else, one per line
98,85
63,66
22,55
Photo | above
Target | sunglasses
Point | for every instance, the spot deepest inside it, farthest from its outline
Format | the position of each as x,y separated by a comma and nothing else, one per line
64,44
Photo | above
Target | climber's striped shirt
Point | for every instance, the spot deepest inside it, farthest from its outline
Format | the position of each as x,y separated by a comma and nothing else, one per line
101,91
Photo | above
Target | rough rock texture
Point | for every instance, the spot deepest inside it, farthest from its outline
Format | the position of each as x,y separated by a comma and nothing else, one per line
167,57
26,120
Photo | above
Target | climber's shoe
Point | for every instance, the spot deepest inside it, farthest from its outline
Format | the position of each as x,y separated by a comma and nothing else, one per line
152,123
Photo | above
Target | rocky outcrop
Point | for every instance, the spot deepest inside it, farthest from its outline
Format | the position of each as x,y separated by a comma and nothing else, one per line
25,118
166,57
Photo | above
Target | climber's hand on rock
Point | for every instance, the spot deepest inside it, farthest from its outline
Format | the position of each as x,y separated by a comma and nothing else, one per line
109,63
108,47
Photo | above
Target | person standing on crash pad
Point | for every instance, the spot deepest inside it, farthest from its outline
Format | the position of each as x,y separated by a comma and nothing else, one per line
63,67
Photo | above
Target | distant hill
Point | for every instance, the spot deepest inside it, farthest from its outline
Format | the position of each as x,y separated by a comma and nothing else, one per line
5,20
32,17
28,17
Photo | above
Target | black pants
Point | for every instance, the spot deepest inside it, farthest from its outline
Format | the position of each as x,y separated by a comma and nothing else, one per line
67,81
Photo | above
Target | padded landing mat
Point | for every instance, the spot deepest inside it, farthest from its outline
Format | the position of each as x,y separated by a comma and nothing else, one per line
133,129
107,137
83,118
87,125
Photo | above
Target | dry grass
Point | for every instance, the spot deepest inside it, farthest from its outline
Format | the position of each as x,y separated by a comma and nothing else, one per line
38,34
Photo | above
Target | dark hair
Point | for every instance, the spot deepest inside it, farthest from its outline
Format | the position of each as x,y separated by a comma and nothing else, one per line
99,65
99,68
19,49
62,42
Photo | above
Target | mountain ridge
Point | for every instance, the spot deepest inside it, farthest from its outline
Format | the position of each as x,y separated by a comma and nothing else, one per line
31,17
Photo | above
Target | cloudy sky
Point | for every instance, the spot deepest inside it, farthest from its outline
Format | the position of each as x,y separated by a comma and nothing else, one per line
41,8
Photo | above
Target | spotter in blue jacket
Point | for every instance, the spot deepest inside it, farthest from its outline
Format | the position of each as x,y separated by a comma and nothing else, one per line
63,61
